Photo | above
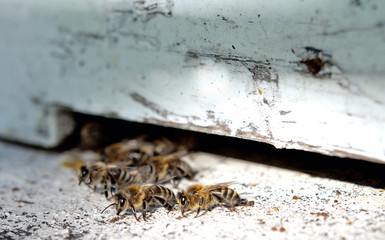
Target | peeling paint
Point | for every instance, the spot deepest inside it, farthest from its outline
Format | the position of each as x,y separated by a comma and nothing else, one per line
317,62
122,15
214,125
264,73
218,127
148,104
252,132
143,10
282,112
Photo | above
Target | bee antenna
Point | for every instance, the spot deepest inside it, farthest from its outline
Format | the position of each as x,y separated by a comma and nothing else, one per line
112,204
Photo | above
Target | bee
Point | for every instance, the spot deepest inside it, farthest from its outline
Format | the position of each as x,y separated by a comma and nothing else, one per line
120,174
136,151
133,152
91,135
170,167
135,197
108,175
163,146
198,197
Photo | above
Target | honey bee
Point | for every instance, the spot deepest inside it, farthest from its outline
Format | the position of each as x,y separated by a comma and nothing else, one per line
163,146
161,168
136,151
198,197
108,175
91,135
135,197
120,174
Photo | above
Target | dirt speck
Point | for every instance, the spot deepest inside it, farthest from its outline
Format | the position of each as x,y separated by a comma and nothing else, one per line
320,214
115,219
249,204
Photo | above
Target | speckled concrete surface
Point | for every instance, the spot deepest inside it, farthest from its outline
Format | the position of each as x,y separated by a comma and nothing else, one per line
42,200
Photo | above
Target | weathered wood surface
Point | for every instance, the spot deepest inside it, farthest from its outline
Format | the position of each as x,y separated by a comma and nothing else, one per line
304,75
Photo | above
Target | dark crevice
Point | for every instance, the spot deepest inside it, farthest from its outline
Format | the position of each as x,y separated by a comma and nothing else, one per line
343,169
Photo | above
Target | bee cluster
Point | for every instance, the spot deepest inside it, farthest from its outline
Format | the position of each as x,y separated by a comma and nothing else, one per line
132,171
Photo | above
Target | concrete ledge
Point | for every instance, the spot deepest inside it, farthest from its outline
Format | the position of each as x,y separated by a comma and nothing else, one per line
41,199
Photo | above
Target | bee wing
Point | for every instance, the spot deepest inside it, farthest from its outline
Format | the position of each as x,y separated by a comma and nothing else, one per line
151,185
160,160
147,186
144,174
113,148
180,153
72,162
125,145
166,159
213,187
75,159
164,146
120,165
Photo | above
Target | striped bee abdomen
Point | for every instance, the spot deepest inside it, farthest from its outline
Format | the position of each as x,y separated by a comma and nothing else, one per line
227,196
163,196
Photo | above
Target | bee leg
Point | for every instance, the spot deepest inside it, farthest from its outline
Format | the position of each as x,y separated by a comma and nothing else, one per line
105,188
144,210
200,206
134,212
228,205
168,207
93,188
113,189
163,202
113,184
89,180
199,209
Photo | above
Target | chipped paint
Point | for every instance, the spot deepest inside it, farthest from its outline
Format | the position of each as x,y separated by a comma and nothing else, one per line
317,62
143,10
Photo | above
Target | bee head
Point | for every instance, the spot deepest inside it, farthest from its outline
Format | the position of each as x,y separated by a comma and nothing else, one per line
84,174
182,202
121,203
243,202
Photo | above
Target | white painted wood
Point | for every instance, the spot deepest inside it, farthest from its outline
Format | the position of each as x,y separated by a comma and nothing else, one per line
239,69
